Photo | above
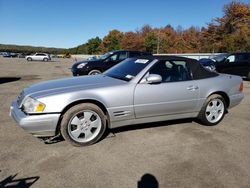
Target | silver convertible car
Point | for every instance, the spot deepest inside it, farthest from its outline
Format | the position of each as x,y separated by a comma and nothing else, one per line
148,89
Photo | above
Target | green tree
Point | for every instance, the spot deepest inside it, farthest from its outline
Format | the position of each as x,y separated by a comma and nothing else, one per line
151,42
93,45
113,40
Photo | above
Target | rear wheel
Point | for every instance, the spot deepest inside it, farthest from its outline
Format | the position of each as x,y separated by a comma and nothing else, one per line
83,124
94,72
213,110
45,59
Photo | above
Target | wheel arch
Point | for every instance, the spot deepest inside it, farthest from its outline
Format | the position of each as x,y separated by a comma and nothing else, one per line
95,68
224,95
93,101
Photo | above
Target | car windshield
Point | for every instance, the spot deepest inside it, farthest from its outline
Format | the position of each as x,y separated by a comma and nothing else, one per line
104,56
127,69
219,57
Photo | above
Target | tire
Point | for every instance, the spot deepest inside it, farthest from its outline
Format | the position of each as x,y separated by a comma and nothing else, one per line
81,131
213,110
29,59
45,59
94,72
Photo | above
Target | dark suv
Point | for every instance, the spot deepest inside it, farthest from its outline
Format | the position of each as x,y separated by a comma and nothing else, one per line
235,63
104,62
232,63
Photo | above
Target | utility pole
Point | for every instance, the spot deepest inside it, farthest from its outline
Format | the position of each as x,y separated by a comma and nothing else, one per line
158,43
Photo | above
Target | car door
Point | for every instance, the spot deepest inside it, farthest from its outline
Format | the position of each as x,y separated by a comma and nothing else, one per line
235,64
38,57
34,57
176,94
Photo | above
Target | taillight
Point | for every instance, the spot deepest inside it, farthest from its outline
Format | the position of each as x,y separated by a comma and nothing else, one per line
241,87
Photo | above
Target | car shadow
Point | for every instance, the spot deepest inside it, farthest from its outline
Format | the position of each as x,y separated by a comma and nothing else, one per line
11,181
151,125
4,80
110,133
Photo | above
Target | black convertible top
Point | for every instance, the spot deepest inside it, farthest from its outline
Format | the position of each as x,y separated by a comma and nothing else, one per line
197,70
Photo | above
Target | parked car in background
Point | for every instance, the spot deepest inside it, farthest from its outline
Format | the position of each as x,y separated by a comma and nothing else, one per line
38,57
236,64
135,91
103,62
231,63
21,55
208,64
9,54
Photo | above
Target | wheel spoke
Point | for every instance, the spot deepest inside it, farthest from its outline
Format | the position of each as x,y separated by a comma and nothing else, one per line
214,103
76,121
76,133
95,123
87,115
210,117
209,108
216,115
220,107
88,133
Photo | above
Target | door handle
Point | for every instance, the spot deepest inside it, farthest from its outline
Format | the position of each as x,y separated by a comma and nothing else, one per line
192,88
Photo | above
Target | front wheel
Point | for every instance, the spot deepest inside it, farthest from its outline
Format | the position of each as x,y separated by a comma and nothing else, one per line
83,124
213,110
94,72
29,59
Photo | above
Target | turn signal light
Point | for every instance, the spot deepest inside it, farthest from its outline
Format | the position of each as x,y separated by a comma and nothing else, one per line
241,87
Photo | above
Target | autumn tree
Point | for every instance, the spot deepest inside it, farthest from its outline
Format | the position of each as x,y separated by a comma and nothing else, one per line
231,32
113,40
133,41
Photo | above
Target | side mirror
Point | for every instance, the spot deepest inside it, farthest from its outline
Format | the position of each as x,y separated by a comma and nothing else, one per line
153,79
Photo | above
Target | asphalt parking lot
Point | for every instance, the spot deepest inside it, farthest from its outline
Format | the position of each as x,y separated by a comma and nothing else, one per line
169,154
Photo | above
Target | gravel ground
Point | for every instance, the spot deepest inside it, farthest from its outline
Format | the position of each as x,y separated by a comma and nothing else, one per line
169,154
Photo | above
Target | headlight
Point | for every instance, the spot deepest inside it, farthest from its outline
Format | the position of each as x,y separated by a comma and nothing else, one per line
81,65
31,105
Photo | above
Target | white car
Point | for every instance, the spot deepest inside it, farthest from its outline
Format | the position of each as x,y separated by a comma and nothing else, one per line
38,57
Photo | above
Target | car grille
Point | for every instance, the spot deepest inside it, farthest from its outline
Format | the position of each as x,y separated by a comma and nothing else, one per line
20,98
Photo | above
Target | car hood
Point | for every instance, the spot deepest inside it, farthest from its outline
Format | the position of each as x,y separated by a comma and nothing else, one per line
71,84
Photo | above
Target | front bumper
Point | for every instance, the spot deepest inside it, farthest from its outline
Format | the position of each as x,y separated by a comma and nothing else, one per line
39,125
79,72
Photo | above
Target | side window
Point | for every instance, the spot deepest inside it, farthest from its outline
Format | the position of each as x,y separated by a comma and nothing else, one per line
114,57
231,58
171,71
122,56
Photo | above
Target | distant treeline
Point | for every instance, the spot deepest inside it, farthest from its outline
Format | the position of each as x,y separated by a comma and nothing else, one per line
30,49
229,33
